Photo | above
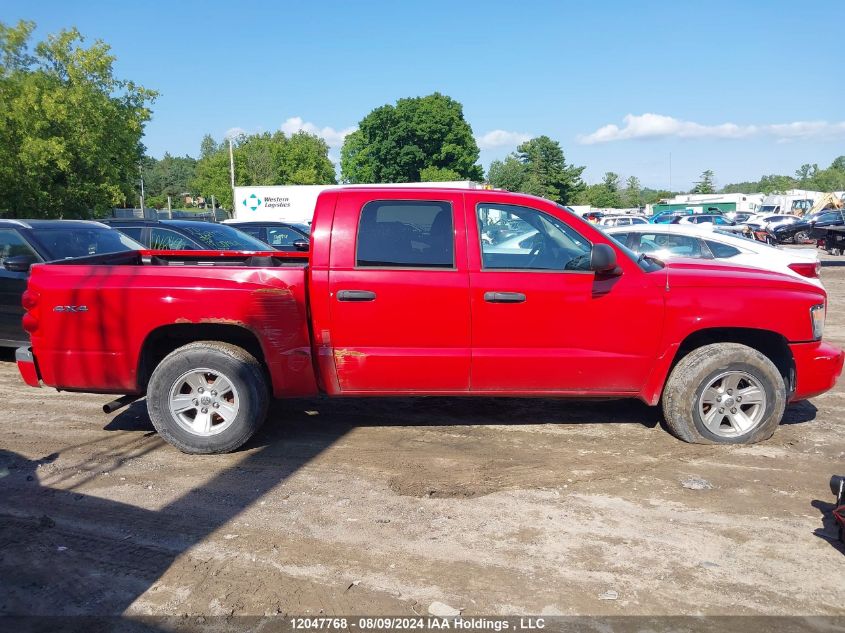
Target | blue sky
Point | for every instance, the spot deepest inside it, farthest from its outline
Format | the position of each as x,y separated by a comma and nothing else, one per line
741,88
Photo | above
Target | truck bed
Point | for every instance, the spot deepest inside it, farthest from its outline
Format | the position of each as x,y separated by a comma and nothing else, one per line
99,321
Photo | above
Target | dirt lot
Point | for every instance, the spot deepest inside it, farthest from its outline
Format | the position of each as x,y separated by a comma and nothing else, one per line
385,506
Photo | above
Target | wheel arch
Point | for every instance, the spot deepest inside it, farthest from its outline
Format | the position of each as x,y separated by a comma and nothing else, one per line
167,338
771,344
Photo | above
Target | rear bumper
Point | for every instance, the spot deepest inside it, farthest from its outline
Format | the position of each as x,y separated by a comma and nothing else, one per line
817,366
27,367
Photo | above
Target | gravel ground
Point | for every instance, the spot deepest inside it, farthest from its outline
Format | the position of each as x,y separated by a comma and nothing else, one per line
386,506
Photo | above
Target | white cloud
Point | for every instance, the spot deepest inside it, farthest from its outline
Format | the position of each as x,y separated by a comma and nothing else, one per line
333,137
501,138
649,126
234,132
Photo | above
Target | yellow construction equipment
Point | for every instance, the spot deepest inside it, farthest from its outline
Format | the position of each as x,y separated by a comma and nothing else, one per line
827,201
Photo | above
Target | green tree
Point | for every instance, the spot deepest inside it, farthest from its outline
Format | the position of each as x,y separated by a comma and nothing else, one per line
547,173
208,146
70,131
632,191
262,159
775,184
805,174
439,174
396,143
170,176
538,167
706,183
653,196
508,174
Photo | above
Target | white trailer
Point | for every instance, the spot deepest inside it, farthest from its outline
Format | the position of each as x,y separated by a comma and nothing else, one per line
295,203
795,201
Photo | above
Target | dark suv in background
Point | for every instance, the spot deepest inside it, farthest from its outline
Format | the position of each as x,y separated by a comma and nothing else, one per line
187,235
282,236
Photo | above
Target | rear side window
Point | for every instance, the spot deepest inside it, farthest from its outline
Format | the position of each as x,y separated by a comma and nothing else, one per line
622,238
721,251
406,234
132,231
165,240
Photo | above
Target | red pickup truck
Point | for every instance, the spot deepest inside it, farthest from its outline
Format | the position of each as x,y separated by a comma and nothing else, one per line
428,292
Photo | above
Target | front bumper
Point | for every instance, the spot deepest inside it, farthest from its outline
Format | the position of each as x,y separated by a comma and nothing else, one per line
27,367
817,366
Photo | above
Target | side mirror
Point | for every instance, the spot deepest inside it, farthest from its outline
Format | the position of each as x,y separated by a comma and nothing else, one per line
301,245
603,259
18,263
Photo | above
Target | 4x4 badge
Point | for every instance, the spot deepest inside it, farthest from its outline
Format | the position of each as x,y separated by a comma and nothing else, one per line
70,309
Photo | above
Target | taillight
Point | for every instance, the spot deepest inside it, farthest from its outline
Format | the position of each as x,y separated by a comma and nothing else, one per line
807,269
29,299
29,322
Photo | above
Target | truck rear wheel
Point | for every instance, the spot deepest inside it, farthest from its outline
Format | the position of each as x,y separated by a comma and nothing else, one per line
207,397
725,393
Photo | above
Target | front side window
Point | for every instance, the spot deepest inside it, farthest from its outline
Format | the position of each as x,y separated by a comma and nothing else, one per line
13,245
282,236
522,238
406,234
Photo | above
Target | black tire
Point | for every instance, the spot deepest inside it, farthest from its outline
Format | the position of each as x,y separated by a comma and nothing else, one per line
240,369
695,372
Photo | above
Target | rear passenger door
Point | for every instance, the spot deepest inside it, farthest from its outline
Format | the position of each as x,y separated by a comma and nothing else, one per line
399,294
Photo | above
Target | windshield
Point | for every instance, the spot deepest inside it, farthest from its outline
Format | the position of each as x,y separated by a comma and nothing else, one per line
222,237
81,241
305,228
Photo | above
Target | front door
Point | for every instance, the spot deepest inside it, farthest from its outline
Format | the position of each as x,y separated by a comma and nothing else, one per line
399,294
541,320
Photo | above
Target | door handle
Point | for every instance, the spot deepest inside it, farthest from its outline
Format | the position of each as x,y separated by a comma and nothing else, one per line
356,295
504,297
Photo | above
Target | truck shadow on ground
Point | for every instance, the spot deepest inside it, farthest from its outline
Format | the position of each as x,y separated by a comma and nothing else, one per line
292,418
63,553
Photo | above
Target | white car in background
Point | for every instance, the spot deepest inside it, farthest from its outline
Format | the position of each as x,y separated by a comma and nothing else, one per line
666,241
621,220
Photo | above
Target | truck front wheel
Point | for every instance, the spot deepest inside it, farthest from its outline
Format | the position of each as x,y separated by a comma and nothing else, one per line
207,397
725,393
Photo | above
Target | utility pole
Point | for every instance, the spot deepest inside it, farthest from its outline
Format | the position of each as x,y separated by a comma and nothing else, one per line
142,196
670,172
169,209
231,166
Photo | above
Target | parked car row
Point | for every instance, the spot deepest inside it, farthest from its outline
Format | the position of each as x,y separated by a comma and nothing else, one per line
27,242
669,241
